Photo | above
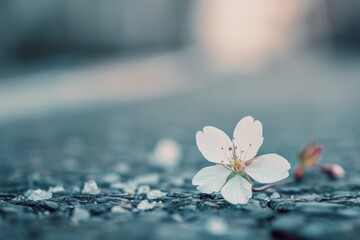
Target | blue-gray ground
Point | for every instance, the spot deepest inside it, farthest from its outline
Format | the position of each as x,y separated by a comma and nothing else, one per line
112,144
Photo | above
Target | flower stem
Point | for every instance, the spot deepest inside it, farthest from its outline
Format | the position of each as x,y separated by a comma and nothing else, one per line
270,185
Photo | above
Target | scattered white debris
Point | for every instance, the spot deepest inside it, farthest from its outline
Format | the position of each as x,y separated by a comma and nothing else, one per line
38,195
147,179
143,189
110,177
139,184
80,214
167,153
28,192
56,189
145,205
90,187
216,226
118,209
275,195
155,194
308,197
262,196
129,187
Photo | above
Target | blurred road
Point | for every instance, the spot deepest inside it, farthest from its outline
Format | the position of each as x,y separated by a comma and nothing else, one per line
98,83
307,77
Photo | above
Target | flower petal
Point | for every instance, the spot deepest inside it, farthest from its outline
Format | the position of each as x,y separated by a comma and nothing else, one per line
268,168
248,138
211,179
237,190
214,145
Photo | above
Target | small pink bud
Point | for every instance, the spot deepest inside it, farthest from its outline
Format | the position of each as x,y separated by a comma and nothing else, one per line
333,170
299,173
310,155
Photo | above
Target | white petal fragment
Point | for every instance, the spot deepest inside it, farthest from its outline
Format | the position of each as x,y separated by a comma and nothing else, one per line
211,179
248,137
268,168
214,145
237,190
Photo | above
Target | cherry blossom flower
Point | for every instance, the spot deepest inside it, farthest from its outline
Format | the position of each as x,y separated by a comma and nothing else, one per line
236,160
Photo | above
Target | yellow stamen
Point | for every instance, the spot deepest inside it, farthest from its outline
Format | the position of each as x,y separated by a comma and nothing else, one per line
236,165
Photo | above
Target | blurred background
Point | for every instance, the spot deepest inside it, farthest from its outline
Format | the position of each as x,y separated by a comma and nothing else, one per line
59,54
86,69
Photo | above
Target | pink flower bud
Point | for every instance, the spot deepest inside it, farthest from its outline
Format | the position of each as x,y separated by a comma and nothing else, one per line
299,173
310,155
333,170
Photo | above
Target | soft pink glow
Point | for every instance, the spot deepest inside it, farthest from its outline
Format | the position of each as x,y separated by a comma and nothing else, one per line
248,32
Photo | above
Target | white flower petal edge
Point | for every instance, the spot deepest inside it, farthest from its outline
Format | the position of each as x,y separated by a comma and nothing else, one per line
211,179
248,137
268,168
237,190
212,143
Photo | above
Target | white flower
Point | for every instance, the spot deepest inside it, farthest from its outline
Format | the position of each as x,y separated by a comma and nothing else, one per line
235,161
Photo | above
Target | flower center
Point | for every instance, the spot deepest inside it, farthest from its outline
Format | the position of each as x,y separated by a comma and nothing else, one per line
236,165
